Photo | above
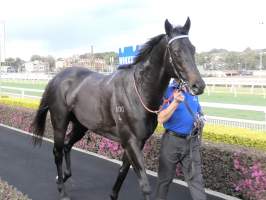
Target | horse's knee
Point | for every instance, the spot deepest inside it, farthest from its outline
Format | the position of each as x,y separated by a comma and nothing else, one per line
67,148
58,155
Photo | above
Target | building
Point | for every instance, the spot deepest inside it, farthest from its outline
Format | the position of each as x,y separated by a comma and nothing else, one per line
60,64
94,64
4,68
36,66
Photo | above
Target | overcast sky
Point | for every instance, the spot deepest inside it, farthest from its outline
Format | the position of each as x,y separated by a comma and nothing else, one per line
66,27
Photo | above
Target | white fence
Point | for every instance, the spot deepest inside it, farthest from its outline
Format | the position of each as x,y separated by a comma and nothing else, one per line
235,83
20,92
251,124
242,123
243,81
33,76
26,76
257,125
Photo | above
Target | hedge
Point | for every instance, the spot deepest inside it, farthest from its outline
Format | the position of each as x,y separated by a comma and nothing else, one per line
215,133
20,102
236,136
230,169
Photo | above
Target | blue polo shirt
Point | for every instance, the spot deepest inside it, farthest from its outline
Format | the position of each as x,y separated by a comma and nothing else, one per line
181,121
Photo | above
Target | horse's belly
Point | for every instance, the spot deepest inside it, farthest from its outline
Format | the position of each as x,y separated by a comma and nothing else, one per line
95,119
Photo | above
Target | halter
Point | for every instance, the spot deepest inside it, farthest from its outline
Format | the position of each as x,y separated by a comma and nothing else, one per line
182,82
170,55
176,38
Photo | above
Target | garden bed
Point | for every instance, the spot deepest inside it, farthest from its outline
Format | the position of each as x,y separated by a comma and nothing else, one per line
8,192
231,169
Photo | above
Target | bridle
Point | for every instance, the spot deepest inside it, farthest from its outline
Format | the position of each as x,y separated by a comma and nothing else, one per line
172,61
182,82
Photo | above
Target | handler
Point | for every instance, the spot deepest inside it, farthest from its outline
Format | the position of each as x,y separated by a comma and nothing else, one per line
182,118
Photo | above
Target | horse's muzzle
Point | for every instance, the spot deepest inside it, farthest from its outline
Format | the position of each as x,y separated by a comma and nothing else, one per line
197,88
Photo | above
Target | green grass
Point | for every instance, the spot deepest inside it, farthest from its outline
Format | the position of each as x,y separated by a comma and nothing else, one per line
231,113
38,85
32,93
243,99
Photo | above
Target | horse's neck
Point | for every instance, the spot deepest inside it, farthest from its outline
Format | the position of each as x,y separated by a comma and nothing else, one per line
152,80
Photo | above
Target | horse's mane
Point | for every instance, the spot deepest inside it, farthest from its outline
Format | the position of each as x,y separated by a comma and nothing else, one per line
144,51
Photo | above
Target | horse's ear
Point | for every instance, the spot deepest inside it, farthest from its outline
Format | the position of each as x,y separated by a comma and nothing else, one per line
186,27
168,27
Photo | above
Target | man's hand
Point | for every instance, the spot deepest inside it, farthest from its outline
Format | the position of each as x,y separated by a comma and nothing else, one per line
164,115
178,96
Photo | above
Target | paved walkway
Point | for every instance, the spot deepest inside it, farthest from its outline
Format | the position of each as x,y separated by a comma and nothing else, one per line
33,172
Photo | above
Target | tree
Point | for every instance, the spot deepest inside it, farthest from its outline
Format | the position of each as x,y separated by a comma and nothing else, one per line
9,61
51,63
232,60
15,63
222,59
35,57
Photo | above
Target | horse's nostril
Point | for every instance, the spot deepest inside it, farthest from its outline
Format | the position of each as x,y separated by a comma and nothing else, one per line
198,88
195,87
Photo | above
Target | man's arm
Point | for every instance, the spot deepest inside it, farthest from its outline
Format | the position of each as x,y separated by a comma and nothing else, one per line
165,114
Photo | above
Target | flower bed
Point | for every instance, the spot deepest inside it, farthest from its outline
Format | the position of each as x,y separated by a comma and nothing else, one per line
230,169
8,192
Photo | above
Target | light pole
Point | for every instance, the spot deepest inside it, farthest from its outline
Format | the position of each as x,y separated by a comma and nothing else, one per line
261,64
2,47
261,23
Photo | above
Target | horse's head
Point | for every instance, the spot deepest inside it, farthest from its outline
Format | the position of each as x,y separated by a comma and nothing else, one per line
181,55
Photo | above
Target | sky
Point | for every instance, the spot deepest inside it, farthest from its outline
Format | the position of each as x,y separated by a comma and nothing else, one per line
62,28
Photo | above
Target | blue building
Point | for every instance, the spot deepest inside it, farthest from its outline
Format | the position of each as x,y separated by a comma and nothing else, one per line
128,54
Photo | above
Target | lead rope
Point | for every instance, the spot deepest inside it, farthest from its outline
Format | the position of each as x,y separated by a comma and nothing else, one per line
190,137
149,110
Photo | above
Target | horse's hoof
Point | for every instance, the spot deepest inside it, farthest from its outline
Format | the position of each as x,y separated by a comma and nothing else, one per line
147,197
65,198
113,197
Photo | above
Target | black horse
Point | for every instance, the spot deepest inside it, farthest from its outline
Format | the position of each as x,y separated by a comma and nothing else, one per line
121,106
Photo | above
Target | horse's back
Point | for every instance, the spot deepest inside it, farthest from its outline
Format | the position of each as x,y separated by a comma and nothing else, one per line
64,82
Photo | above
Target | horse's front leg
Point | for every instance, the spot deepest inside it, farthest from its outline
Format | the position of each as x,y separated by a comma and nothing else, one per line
136,158
121,177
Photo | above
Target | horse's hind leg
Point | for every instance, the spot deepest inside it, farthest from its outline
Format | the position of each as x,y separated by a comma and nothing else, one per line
121,177
60,124
77,132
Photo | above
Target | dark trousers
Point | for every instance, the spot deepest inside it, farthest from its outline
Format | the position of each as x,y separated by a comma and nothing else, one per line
173,150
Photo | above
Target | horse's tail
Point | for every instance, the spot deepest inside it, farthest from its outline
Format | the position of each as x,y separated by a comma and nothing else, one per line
38,124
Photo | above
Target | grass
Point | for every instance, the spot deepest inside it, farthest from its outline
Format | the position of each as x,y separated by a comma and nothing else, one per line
237,114
242,99
30,84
